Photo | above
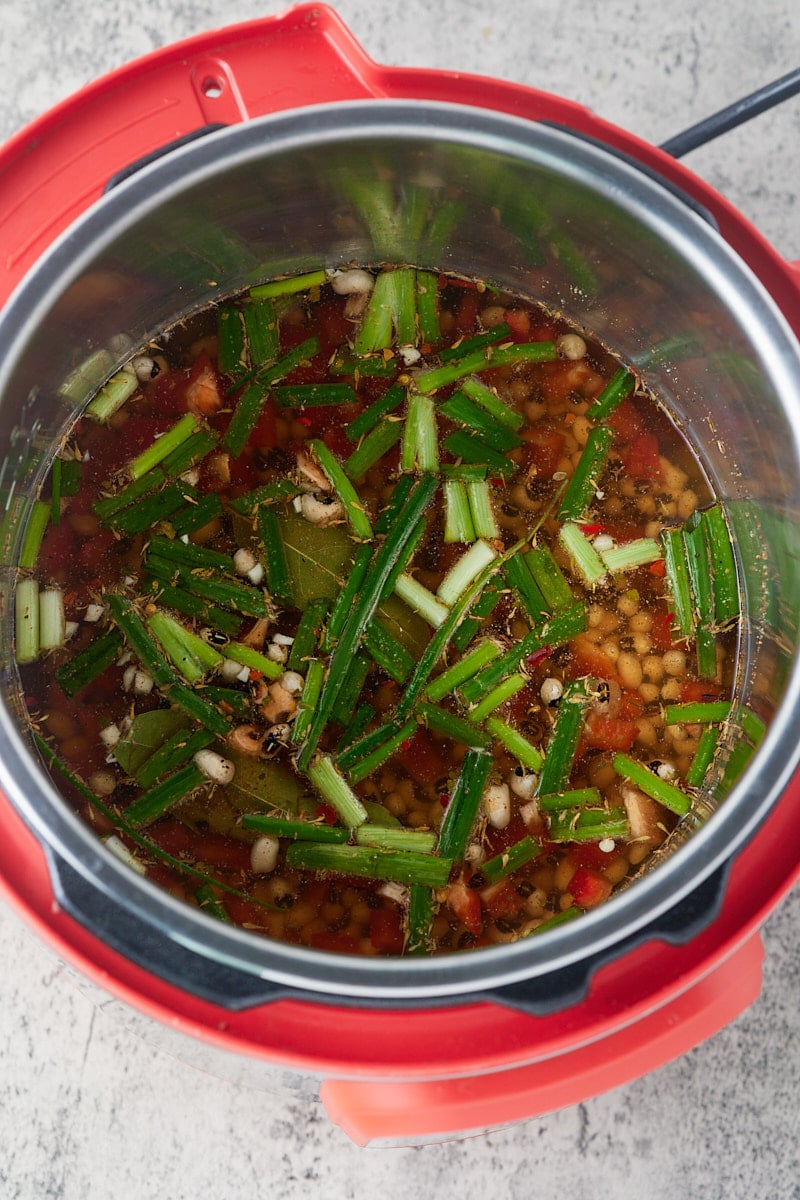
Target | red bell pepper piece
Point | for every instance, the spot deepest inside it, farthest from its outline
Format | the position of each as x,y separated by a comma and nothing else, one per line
589,888
465,903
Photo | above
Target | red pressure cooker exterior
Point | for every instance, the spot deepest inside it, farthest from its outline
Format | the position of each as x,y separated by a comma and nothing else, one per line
431,1072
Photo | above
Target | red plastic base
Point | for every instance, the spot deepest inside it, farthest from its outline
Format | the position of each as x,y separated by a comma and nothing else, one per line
441,1071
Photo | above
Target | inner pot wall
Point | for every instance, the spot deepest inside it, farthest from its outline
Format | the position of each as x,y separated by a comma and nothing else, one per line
537,212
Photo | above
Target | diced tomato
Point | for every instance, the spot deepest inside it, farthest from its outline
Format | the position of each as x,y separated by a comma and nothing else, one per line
602,732
334,327
589,888
519,322
337,440
94,548
204,394
498,840
244,912
222,852
589,659
658,568
516,708
467,313
563,377
337,940
590,855
386,930
543,448
661,631
641,459
264,435
423,758
58,547
627,421
501,899
172,836
694,691
465,903
329,815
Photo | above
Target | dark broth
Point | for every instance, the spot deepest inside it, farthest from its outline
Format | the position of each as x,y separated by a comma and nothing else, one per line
615,657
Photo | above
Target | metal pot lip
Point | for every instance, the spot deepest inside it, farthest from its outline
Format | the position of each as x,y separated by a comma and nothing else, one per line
628,912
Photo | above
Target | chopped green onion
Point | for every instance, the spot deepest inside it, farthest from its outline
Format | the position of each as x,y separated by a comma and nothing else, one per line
480,503
171,754
195,515
515,743
428,307
314,395
26,607
188,554
380,408
254,397
362,717
436,378
315,675
458,526
511,859
288,287
52,621
480,610
621,384
420,441
296,831
112,395
226,593
308,633
752,725
723,565
522,583
573,798
351,687
585,478
207,899
549,578
400,493
462,670
353,505
652,784
361,757
703,755
389,556
386,837
421,600
261,325
34,532
465,571
677,573
188,652
564,737
460,814
281,489
388,652
334,788
343,604
399,867
698,558
569,914
231,357
376,443
560,628
463,411
698,713
590,825
164,795
488,399
499,695
583,556
55,491
449,725
275,564
193,606
420,919
87,376
473,449
254,659
373,366
479,341
73,675
629,555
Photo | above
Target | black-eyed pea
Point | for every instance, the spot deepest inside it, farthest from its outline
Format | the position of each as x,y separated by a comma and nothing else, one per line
653,668
616,871
628,605
642,643
595,615
649,692
674,662
687,502
563,874
640,621
671,690
628,488
395,804
646,505
629,669
611,647
566,901
638,852
646,735
674,478
493,314
535,409
581,429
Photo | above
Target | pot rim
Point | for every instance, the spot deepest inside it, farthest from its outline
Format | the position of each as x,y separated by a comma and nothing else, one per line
629,911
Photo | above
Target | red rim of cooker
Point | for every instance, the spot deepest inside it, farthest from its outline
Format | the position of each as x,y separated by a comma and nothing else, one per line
51,172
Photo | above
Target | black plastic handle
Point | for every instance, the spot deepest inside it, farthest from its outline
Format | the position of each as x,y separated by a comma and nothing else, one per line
735,114
155,951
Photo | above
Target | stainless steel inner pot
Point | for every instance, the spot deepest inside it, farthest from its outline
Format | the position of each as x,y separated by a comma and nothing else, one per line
539,212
